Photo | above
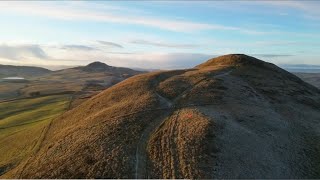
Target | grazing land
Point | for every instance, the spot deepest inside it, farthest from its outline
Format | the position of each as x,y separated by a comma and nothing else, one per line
23,124
27,107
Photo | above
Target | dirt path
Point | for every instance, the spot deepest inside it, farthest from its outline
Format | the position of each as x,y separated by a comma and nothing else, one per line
223,74
141,151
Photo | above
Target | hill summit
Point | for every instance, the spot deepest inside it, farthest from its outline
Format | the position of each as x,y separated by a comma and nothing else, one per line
233,59
102,67
232,117
96,66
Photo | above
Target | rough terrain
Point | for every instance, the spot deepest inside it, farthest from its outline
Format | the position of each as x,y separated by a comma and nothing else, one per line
233,116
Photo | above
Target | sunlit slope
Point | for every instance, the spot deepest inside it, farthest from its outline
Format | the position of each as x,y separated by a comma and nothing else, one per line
23,124
231,117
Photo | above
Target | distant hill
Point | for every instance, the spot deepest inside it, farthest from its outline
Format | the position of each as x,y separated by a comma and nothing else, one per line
84,80
22,71
312,78
233,116
96,71
102,67
301,68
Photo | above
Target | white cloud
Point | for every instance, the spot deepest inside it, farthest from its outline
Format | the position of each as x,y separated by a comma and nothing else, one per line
158,60
110,44
71,55
77,47
16,52
49,55
69,11
163,44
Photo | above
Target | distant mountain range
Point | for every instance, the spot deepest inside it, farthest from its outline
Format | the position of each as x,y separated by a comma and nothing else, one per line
302,68
11,70
312,78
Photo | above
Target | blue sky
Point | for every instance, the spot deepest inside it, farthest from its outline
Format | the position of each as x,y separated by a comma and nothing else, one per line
157,34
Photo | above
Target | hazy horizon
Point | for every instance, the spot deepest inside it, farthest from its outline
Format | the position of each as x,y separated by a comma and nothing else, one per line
303,68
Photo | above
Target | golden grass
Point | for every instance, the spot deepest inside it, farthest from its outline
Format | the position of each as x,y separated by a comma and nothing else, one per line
99,138
101,134
179,147
96,134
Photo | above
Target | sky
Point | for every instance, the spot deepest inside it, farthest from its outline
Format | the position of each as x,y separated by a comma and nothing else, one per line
157,34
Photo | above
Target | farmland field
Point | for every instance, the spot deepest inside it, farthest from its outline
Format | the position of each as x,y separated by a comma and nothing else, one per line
23,124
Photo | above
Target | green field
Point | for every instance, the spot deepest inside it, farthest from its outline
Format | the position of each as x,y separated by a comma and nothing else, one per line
23,124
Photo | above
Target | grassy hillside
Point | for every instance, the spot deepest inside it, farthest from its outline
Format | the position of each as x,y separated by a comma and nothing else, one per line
232,117
10,90
72,80
23,71
23,124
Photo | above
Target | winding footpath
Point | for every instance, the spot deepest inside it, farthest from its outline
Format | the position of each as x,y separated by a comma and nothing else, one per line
141,151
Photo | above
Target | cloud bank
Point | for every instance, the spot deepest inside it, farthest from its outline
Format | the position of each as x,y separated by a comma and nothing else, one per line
110,44
16,52
72,12
164,44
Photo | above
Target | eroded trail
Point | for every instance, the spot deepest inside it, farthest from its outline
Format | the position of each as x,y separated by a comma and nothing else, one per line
141,151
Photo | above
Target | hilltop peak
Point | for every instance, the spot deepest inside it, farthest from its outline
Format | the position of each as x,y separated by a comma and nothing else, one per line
97,64
98,67
233,60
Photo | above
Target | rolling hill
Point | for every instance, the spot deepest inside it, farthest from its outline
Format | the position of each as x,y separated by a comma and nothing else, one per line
21,71
233,116
83,81
78,78
23,124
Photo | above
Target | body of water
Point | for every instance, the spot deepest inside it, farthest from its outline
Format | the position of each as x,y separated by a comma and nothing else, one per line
13,78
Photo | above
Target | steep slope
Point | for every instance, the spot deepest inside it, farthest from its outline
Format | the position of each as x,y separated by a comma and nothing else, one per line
22,71
232,117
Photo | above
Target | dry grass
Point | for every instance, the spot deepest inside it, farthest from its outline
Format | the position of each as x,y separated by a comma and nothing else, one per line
99,138
99,126
180,147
